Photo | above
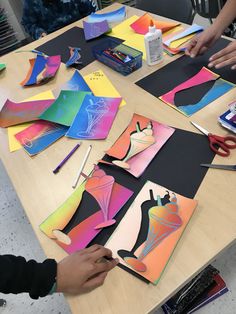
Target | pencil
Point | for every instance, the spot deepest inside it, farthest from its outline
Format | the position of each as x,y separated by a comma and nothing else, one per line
66,158
82,166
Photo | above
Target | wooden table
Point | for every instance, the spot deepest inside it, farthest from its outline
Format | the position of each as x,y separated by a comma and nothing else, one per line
211,230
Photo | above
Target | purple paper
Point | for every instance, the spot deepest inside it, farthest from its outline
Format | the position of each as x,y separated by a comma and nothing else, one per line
96,29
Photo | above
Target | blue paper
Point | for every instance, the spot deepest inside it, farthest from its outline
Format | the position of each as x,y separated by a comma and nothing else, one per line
114,16
219,88
190,30
74,56
76,83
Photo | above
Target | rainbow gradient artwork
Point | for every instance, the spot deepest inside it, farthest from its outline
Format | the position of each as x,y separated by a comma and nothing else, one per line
150,230
141,25
94,118
138,144
39,136
65,107
219,88
42,69
92,207
13,113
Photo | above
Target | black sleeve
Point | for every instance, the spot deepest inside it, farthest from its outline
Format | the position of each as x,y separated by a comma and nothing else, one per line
17,275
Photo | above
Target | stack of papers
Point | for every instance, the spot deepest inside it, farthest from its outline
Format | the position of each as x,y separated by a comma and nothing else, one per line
228,118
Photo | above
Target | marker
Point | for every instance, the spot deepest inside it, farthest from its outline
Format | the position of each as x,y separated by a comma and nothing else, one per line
56,170
82,166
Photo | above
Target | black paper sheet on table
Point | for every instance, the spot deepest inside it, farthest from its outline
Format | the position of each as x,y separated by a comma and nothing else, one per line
180,70
74,37
176,167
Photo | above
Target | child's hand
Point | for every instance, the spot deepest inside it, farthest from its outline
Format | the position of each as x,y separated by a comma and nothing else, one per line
224,57
85,270
201,43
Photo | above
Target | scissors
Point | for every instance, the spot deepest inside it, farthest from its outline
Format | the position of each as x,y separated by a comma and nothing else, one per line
221,145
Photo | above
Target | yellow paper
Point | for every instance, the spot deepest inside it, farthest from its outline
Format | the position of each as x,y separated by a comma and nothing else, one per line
123,30
12,130
176,43
101,86
137,43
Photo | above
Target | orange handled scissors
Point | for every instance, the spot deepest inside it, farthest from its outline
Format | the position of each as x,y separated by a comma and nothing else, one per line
221,145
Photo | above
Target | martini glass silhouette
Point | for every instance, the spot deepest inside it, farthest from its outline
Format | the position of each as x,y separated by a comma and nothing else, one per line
100,186
139,141
163,220
95,112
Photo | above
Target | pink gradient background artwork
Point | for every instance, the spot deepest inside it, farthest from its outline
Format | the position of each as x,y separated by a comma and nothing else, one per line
139,162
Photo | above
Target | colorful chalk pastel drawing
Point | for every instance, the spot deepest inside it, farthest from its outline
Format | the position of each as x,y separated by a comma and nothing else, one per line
75,56
113,16
141,25
219,88
94,30
150,230
13,113
42,69
138,144
92,206
76,83
39,136
94,118
65,107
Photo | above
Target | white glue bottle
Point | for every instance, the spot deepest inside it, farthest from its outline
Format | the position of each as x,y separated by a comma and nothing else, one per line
153,45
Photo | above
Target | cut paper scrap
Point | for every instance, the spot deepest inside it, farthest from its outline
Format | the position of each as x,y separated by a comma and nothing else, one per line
94,30
183,36
94,118
16,113
64,108
150,230
113,16
2,66
75,57
76,83
101,86
141,25
139,143
204,75
75,220
12,130
39,136
42,69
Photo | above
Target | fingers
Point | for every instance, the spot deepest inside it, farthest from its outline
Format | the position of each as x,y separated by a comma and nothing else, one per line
105,266
101,252
93,248
95,282
226,56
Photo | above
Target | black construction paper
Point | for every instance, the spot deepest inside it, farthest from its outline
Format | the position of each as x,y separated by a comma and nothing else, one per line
74,37
180,70
176,167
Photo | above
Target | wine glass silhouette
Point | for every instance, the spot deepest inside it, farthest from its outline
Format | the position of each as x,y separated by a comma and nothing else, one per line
139,141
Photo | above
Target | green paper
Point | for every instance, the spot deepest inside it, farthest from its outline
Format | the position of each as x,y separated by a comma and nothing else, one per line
2,66
65,107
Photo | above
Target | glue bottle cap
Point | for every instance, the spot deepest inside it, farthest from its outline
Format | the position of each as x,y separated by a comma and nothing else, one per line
152,27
